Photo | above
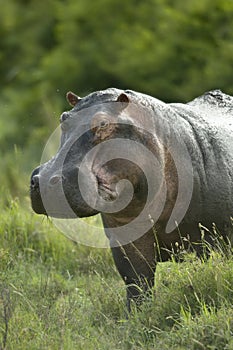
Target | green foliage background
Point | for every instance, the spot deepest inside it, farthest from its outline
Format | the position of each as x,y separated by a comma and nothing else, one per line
173,50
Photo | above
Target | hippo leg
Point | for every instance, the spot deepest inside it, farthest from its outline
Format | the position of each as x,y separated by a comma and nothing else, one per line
136,264
138,290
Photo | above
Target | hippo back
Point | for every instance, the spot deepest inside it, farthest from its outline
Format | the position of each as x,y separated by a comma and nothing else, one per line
209,139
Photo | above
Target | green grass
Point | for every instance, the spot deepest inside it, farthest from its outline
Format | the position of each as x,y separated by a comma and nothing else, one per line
55,294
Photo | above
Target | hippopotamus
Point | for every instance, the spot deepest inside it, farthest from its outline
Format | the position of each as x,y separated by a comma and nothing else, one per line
160,175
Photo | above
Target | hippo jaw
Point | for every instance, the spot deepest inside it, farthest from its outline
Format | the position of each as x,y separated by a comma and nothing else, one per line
58,196
74,194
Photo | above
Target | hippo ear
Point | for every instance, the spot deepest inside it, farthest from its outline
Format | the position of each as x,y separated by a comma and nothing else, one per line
72,98
123,98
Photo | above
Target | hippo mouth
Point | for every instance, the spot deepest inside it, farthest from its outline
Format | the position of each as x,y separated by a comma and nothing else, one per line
37,204
106,191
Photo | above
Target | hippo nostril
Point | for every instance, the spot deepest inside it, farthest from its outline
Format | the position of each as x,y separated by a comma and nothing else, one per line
55,179
35,181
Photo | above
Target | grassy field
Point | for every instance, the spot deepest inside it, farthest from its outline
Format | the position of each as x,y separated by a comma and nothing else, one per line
55,294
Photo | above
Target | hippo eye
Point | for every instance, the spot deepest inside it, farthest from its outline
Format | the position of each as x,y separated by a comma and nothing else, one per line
103,124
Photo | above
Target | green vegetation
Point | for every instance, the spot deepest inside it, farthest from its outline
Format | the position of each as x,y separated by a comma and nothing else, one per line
170,49
165,48
55,294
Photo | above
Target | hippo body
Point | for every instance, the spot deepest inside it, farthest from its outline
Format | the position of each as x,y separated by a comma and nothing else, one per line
178,159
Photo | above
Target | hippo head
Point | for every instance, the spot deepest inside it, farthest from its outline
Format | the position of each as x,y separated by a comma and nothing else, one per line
99,166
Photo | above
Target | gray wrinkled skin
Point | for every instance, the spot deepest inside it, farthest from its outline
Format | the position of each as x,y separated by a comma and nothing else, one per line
193,144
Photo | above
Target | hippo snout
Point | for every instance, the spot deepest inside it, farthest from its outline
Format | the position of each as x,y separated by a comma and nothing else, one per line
35,178
35,182
36,200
